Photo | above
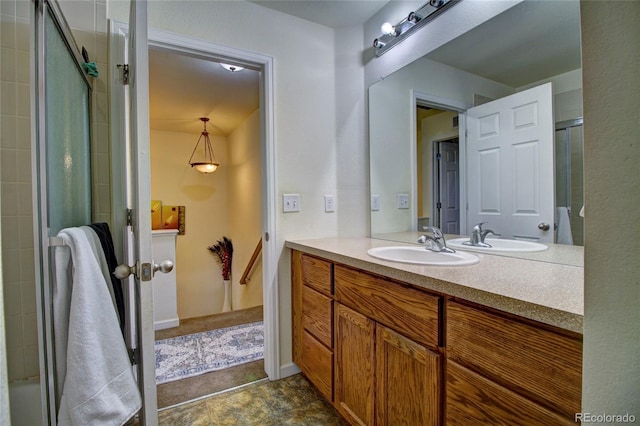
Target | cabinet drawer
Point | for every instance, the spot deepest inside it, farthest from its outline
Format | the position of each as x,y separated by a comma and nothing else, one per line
474,400
316,362
316,273
411,312
317,315
534,361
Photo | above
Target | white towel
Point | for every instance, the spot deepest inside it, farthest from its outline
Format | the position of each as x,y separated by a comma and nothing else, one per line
564,235
98,385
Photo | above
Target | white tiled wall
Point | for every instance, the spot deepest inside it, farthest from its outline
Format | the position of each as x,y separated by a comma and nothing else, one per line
15,178
88,20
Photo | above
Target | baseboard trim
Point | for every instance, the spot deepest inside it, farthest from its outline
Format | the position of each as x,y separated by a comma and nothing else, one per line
164,324
288,370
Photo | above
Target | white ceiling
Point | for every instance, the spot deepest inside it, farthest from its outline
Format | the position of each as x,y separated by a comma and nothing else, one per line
330,13
529,42
183,88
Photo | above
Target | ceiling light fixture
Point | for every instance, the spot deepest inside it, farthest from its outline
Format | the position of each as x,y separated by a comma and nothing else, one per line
208,162
392,35
232,68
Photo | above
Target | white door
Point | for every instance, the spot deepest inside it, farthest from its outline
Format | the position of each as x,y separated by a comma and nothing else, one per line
139,201
510,158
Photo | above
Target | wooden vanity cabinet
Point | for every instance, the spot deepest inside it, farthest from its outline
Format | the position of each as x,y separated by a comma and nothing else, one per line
387,364
501,367
312,306
386,353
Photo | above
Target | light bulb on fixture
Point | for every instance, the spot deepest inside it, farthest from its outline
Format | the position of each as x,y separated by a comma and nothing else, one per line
208,162
389,29
232,68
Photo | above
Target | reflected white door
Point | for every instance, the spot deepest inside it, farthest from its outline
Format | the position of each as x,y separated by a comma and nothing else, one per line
510,158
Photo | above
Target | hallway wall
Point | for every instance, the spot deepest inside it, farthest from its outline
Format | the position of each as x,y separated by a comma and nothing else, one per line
245,207
200,288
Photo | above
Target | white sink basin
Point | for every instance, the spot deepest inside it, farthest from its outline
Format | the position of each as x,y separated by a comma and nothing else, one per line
422,256
499,245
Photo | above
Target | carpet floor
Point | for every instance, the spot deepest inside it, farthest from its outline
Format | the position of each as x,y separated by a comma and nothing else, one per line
179,391
199,353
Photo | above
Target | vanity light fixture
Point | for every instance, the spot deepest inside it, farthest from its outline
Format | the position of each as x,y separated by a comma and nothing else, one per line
207,161
231,68
391,35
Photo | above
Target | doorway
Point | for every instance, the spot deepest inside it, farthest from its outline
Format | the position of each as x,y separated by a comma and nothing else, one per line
184,89
438,169
214,53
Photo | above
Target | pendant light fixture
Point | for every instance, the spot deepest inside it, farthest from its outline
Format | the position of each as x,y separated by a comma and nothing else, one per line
205,163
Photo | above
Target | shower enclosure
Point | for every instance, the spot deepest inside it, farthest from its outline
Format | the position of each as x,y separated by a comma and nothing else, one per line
569,174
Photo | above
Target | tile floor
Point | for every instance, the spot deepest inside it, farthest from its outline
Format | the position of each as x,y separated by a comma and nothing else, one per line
290,401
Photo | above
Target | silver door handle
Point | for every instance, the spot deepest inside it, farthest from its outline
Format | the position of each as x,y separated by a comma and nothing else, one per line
123,271
165,266
143,272
544,226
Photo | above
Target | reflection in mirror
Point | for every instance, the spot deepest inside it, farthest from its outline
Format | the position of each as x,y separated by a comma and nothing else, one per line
419,114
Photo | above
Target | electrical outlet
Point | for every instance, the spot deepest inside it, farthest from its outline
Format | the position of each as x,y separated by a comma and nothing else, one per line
375,203
329,203
403,201
290,203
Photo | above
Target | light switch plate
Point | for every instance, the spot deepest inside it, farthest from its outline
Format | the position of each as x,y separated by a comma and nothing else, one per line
375,203
329,203
403,201
290,203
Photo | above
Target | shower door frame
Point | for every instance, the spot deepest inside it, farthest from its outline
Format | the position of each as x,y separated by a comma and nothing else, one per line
43,242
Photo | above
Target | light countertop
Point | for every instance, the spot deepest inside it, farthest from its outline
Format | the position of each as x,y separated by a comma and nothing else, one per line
550,293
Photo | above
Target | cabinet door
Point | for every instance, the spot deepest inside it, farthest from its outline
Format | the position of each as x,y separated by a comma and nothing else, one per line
354,366
407,381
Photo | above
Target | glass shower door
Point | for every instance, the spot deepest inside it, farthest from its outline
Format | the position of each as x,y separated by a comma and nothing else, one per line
62,181
569,174
67,103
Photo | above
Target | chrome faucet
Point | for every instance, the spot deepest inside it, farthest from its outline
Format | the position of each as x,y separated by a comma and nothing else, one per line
478,235
437,242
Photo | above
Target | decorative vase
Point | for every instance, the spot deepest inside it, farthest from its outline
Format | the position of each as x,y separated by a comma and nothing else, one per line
226,307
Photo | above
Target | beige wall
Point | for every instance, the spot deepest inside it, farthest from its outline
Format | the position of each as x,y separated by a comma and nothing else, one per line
224,203
245,208
200,289
611,59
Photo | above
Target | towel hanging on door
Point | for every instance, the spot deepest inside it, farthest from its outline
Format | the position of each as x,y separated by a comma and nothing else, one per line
95,377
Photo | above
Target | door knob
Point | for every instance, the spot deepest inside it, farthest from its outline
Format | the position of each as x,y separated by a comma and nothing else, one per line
165,266
123,271
544,226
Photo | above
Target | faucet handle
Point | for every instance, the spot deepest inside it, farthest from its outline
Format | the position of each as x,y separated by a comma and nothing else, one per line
478,226
437,233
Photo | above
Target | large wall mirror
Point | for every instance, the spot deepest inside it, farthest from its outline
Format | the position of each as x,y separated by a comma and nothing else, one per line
422,169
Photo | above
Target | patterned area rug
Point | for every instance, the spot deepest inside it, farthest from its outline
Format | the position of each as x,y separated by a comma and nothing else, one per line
194,354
